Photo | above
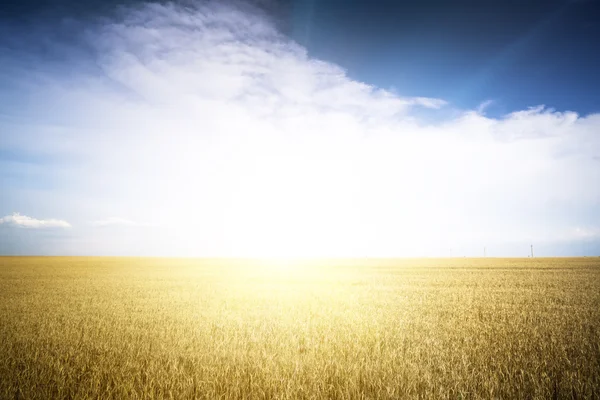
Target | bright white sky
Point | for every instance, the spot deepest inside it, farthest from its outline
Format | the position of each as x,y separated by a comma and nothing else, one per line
206,132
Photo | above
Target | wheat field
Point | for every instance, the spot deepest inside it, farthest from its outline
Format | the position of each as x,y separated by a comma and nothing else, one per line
143,328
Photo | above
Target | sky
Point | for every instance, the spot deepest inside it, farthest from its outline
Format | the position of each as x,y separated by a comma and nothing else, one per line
299,128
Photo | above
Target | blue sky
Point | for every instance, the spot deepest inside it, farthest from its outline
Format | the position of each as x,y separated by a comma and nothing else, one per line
515,53
299,129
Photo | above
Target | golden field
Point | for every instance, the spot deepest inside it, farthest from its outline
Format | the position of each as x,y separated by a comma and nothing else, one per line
118,328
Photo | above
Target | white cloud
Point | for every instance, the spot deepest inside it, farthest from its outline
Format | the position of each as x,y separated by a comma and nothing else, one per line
210,123
116,221
23,221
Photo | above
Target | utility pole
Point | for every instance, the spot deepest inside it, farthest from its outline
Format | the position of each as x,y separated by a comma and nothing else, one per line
484,252
531,251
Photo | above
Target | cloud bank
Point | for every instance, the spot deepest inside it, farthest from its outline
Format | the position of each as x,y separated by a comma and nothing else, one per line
208,121
23,221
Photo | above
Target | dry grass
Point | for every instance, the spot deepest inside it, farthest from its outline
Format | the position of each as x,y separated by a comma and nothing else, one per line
173,328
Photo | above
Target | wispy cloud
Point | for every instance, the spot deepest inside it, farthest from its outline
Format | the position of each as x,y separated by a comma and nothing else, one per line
209,122
484,105
585,233
115,221
23,221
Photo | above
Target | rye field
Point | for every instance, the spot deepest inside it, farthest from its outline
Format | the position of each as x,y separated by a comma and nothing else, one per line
143,328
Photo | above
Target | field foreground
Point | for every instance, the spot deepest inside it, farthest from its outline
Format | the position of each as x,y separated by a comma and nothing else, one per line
183,328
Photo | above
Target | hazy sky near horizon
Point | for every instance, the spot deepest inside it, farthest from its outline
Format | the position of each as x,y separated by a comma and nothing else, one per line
306,128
